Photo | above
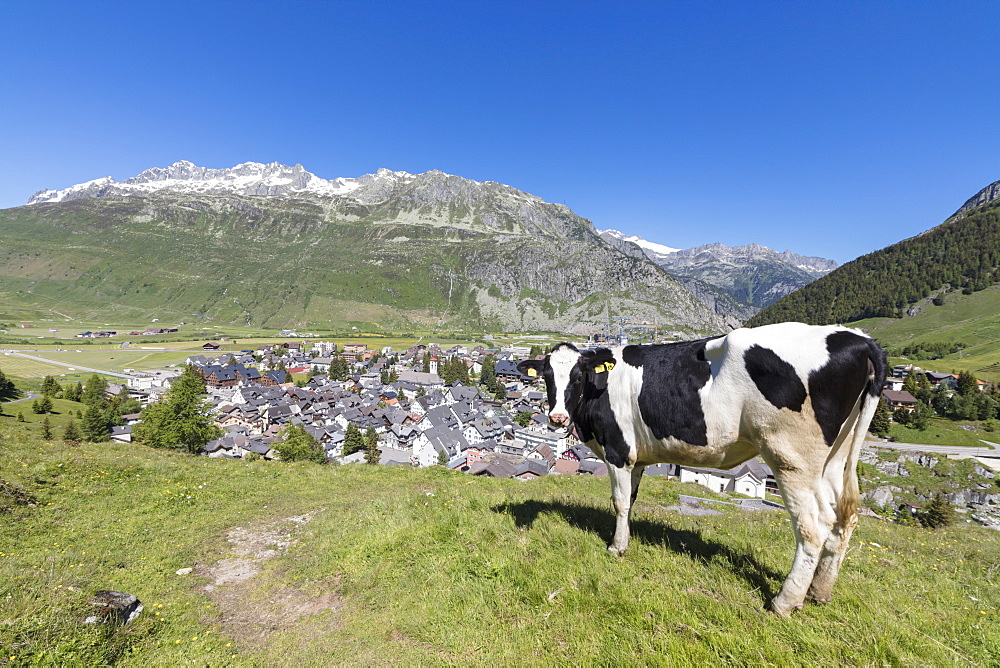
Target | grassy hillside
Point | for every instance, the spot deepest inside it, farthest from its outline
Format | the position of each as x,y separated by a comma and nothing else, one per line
367,565
323,264
972,320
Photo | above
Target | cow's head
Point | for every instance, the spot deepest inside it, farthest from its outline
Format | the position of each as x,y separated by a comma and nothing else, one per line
566,370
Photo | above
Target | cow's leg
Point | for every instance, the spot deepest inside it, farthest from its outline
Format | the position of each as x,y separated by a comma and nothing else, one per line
636,479
821,589
840,491
813,522
624,486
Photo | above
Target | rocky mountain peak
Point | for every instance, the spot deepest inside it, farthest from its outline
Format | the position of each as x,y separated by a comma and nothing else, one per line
733,280
987,194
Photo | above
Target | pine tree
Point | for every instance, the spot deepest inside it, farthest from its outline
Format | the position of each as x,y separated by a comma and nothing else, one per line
94,391
71,433
45,404
372,453
181,420
901,416
353,440
73,392
921,415
488,375
881,421
51,387
20,416
501,393
7,389
46,429
461,371
338,369
968,385
96,426
938,513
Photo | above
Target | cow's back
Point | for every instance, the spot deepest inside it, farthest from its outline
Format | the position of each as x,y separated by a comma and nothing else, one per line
708,402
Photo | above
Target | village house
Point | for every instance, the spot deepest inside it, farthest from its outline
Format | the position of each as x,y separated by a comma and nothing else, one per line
747,479
899,399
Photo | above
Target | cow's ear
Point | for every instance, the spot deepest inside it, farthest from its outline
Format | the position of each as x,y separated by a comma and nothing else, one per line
531,368
599,361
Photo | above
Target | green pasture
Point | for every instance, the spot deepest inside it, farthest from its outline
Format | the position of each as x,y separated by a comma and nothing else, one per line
942,431
26,368
62,412
388,565
970,319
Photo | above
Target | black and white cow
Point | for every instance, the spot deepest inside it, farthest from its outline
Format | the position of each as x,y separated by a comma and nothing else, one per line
799,395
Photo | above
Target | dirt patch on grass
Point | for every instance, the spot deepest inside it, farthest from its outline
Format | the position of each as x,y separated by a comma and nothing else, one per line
249,610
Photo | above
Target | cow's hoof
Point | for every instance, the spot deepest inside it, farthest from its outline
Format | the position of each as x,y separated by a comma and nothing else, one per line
781,609
617,551
820,595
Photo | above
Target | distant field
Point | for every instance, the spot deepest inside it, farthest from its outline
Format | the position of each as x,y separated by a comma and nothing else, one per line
191,338
148,353
943,432
25,368
105,360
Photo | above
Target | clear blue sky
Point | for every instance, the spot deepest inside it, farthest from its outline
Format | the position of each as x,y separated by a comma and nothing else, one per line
830,129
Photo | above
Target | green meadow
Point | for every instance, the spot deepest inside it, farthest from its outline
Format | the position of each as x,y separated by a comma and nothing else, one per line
968,319
364,565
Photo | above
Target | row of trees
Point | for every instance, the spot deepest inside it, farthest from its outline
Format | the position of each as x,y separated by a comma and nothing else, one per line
454,370
488,378
927,351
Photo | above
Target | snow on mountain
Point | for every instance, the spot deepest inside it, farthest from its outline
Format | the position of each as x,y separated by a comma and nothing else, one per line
248,178
658,249
753,275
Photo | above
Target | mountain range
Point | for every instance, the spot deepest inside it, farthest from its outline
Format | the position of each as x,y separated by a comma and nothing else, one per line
732,280
276,246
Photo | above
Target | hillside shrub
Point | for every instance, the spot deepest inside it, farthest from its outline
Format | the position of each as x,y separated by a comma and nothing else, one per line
298,445
938,513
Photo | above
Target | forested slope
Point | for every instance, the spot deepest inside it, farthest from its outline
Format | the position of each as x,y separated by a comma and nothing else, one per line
961,254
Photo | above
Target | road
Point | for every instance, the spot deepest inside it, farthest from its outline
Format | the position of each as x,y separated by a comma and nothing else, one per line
988,449
75,367
17,401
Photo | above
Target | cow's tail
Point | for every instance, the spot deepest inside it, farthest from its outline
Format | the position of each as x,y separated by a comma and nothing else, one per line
850,499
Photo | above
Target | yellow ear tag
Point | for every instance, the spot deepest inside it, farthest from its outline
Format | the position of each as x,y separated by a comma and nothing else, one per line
604,367
532,373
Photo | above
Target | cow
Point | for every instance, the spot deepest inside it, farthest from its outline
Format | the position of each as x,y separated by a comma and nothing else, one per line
801,396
